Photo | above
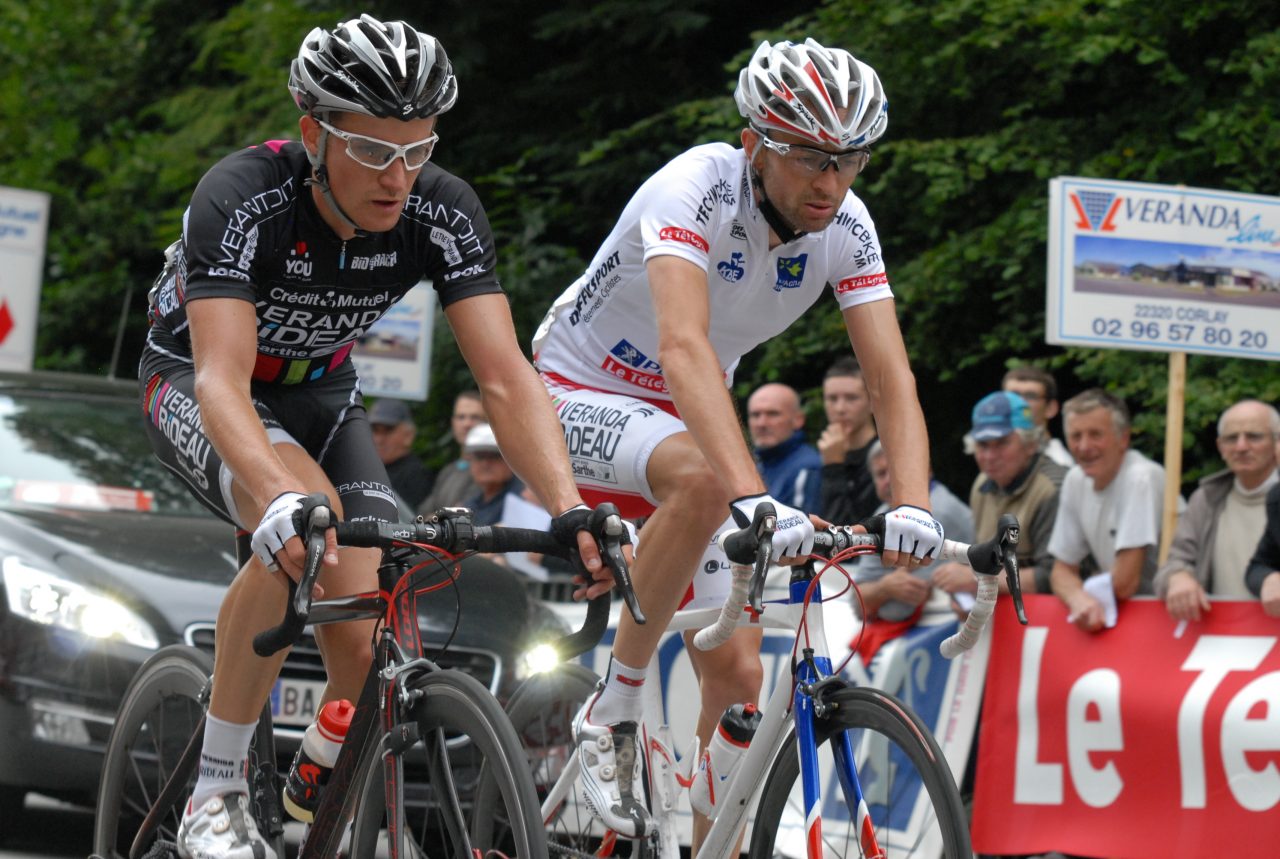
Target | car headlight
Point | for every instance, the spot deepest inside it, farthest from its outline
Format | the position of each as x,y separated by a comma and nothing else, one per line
537,660
45,598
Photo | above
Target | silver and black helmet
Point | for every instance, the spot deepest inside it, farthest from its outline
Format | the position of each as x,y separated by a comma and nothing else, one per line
380,69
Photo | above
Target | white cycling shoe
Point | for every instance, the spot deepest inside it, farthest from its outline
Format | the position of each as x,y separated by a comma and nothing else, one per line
223,828
612,785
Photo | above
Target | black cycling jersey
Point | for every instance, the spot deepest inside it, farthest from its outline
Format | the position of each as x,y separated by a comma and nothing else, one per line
253,231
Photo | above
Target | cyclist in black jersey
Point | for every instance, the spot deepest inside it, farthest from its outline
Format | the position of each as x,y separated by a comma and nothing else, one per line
289,252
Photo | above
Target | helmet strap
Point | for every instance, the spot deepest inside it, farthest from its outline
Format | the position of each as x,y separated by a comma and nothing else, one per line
320,179
772,216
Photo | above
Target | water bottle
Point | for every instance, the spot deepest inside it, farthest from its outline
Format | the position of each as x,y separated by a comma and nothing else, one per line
721,758
314,761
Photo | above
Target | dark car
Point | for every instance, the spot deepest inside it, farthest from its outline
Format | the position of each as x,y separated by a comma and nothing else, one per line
105,557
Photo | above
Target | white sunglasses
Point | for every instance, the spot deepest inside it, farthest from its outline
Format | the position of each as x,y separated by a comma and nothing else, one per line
379,154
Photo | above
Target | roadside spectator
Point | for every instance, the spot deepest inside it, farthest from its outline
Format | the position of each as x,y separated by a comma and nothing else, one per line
894,598
1039,389
790,466
494,478
1264,570
848,493
1014,477
393,435
1225,517
454,483
1108,512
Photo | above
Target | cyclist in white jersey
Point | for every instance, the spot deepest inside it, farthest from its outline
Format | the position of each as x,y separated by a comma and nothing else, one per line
717,252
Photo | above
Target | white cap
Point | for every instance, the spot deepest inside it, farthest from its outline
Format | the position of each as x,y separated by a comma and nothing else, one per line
480,439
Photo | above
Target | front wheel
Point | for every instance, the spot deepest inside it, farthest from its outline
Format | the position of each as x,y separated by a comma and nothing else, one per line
467,789
155,740
911,798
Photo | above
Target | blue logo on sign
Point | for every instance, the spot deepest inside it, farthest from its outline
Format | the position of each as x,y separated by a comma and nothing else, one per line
732,270
790,272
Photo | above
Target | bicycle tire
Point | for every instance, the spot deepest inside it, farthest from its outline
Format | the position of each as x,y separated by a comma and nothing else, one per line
541,712
888,740
482,754
156,720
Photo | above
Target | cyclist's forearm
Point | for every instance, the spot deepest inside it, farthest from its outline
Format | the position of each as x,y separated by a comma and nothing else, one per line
877,342
237,434
696,381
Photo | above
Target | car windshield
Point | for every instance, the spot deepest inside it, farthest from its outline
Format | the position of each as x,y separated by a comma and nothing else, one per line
87,452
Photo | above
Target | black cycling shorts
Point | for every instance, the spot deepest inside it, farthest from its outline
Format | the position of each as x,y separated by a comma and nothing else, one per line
325,417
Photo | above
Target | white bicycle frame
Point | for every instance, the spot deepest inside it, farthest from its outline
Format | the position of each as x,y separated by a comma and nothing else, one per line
669,775
667,771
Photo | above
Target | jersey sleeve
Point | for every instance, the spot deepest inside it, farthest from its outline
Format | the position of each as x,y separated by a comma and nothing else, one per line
674,218
224,225
461,259
858,272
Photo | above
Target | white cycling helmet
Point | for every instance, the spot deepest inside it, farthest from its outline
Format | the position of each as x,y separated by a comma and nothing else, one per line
822,94
375,68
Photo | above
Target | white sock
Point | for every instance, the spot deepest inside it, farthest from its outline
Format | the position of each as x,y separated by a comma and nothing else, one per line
620,700
224,758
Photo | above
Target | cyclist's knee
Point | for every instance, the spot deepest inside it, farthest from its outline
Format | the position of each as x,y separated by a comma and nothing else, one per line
693,487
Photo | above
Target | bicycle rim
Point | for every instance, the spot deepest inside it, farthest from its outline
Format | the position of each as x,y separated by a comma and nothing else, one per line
467,791
156,721
911,797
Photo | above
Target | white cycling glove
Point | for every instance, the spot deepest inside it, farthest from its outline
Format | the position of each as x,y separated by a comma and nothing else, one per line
276,527
913,531
794,534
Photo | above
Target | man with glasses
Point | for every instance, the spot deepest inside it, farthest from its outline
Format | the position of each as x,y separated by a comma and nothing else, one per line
290,251
1038,387
1226,515
719,251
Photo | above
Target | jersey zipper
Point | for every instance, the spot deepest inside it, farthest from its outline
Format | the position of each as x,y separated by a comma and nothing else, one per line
342,257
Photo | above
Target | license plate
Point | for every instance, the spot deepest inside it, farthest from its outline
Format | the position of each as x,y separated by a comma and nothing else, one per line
295,702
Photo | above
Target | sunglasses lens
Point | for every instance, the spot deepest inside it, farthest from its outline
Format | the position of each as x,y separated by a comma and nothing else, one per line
370,153
419,155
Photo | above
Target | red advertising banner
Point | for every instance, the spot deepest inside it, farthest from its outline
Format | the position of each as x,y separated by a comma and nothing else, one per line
1136,743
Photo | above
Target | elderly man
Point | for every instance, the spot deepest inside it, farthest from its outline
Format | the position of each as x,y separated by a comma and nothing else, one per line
1109,510
1225,517
1015,477
493,476
790,466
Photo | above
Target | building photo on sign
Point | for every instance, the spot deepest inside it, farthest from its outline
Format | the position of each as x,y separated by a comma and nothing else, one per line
1163,268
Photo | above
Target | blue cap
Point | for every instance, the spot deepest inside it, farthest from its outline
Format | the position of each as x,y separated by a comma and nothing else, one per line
996,415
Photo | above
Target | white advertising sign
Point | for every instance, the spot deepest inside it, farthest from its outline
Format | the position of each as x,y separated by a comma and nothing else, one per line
394,358
1163,268
24,222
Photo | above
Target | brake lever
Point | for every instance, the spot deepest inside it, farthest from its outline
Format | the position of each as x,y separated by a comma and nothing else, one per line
765,528
611,535
1009,533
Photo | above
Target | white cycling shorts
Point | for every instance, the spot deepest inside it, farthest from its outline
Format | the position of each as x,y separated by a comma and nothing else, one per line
610,439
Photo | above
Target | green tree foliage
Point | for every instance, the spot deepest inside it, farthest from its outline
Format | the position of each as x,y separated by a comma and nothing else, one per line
116,108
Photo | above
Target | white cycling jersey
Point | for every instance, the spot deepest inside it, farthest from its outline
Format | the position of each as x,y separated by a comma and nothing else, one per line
602,331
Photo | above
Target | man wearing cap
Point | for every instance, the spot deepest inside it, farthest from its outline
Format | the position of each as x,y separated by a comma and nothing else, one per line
1015,477
1109,512
494,478
393,434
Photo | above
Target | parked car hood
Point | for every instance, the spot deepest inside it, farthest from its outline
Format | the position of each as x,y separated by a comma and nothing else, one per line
184,579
